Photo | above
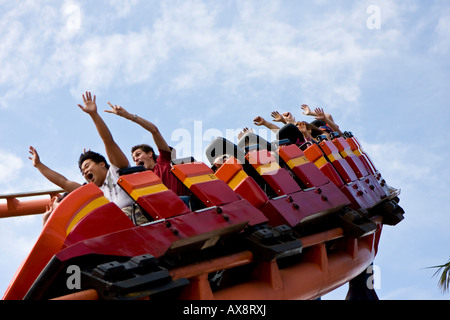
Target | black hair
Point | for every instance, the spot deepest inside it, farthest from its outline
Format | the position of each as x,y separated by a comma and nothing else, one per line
291,132
318,123
146,148
94,156
315,131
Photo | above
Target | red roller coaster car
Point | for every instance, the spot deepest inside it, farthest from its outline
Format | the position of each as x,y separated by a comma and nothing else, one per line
275,221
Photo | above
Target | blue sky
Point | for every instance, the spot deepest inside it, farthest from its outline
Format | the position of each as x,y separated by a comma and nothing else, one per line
198,68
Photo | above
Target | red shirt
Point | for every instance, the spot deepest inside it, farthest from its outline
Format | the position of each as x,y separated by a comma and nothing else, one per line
162,170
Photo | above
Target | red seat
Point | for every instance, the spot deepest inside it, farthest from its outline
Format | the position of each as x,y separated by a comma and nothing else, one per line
233,174
203,183
305,170
276,177
149,192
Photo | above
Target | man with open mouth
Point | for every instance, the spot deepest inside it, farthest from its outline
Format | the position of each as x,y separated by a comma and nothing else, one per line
94,166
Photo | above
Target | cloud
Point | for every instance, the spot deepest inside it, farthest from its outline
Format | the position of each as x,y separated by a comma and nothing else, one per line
404,166
322,52
188,45
123,7
10,165
24,231
321,58
441,39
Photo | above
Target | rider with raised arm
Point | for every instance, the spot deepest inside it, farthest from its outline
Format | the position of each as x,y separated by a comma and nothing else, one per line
94,167
144,154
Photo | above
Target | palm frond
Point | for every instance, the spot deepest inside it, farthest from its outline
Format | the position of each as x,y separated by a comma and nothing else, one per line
444,279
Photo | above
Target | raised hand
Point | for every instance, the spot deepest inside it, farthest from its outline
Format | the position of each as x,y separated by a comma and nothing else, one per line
320,114
307,111
118,110
90,106
244,131
277,117
289,118
34,157
259,121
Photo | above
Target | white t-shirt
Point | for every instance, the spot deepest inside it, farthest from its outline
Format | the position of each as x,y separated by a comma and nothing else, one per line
112,191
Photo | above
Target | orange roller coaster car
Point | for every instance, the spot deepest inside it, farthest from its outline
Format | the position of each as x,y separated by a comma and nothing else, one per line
275,221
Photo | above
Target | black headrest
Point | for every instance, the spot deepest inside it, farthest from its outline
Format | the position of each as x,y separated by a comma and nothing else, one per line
334,135
183,160
348,134
277,143
131,170
221,146
321,138
318,123
290,132
250,139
